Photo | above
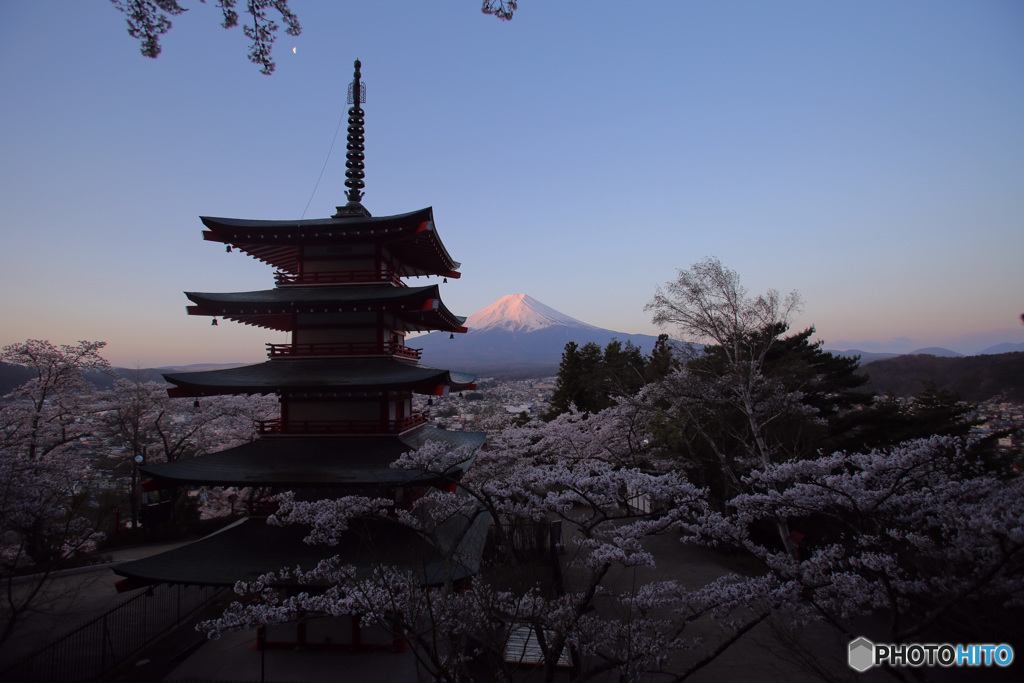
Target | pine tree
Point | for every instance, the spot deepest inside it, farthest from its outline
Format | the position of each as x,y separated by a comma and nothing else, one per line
661,361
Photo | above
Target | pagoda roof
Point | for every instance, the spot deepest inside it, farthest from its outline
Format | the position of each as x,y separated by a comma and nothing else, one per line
250,548
420,308
410,236
319,378
321,462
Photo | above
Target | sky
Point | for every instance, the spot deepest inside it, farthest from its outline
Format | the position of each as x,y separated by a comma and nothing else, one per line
868,154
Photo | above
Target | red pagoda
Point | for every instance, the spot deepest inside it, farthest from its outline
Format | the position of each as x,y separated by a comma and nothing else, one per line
345,384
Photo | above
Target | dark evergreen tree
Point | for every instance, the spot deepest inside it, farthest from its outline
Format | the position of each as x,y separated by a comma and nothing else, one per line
569,383
828,383
623,369
590,378
593,395
661,361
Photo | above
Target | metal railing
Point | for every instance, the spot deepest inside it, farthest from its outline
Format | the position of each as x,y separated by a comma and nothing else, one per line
96,647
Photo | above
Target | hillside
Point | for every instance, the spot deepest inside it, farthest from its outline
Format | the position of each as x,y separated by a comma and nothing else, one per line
12,376
974,378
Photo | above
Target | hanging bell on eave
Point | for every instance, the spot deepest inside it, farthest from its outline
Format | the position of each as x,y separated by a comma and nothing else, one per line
214,322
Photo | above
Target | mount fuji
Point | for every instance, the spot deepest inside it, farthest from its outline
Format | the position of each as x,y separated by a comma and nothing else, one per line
516,336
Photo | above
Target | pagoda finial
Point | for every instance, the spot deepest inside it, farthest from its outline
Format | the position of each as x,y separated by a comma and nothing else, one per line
354,158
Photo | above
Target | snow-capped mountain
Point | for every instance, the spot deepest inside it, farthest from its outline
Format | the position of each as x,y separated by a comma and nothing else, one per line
520,313
516,336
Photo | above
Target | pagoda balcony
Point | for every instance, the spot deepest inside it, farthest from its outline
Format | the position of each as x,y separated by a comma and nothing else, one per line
339,277
341,427
349,349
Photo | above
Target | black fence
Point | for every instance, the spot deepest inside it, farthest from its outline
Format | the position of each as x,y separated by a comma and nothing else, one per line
93,649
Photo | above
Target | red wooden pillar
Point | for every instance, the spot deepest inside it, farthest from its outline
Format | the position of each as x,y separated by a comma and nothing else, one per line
357,633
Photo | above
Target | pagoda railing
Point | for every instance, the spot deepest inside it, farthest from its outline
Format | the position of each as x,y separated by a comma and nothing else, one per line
339,277
339,427
348,349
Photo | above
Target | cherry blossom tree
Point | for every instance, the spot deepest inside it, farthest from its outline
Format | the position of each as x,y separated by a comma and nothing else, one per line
47,413
43,525
149,20
162,429
502,9
153,428
45,479
919,533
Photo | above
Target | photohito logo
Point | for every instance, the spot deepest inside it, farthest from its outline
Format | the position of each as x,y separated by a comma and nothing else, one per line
863,654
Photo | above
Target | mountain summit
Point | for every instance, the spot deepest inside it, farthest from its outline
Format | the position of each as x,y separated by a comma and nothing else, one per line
516,336
520,313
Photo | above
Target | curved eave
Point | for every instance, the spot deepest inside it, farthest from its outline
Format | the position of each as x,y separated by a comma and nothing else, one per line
297,462
425,322
411,236
323,378
420,308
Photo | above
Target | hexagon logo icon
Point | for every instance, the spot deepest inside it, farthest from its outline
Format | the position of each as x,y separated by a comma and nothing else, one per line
862,654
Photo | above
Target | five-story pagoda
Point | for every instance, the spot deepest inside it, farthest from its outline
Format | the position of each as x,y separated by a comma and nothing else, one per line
345,384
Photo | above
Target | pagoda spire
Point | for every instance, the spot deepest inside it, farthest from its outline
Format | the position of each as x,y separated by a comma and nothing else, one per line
355,156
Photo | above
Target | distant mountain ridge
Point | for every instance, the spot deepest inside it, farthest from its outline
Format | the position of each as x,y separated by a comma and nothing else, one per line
938,351
870,356
13,376
1002,348
517,336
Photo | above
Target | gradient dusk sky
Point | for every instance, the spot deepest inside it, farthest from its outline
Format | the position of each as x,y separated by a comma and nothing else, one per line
869,154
